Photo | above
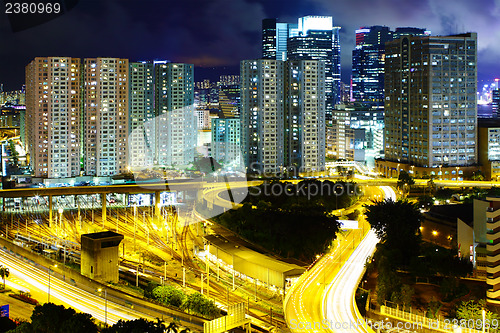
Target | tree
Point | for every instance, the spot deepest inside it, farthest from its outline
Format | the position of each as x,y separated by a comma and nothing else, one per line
403,296
397,224
4,273
172,327
51,318
472,309
136,326
405,181
7,324
198,303
169,295
477,175
425,202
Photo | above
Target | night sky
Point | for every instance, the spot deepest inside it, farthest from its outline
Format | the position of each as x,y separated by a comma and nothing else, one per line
220,33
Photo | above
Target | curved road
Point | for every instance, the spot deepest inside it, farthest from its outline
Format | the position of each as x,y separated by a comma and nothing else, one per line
322,300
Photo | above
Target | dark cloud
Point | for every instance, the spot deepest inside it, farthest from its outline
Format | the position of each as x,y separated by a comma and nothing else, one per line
222,32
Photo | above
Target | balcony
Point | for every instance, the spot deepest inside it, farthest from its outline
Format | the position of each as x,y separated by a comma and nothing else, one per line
492,225
492,247
493,294
492,259
491,213
494,281
493,270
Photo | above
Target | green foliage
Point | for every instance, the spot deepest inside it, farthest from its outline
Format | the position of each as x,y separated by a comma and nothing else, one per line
472,309
23,328
169,295
51,318
403,296
136,326
302,224
397,224
388,282
6,324
436,260
444,193
477,175
405,180
425,201
199,304
148,291
4,273
433,308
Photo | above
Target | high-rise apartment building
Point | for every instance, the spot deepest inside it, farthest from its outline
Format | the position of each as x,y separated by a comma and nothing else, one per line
226,141
229,100
312,38
142,131
106,116
52,120
368,60
176,117
282,115
305,104
430,100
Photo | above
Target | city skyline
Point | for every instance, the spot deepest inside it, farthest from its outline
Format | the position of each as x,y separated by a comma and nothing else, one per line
200,32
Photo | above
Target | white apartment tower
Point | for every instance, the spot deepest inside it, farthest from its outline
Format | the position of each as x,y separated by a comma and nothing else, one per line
142,133
106,116
283,115
263,114
176,117
53,109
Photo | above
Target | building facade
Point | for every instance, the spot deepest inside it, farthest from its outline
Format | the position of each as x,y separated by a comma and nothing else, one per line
52,119
368,60
226,142
176,117
311,38
430,101
489,147
142,132
283,115
106,116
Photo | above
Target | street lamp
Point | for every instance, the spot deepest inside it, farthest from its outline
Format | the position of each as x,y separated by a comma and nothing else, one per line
105,305
458,168
48,294
440,172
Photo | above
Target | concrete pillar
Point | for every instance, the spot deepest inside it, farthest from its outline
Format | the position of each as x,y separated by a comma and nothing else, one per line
50,211
103,204
157,205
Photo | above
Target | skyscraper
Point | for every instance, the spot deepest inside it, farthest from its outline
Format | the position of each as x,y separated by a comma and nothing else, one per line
106,116
176,117
312,38
142,132
53,110
282,115
430,101
368,60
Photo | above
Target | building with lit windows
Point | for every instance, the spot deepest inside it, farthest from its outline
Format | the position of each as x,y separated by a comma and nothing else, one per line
283,115
358,132
489,147
368,59
229,100
142,132
226,142
176,126
430,103
312,38
106,117
53,113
